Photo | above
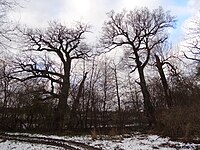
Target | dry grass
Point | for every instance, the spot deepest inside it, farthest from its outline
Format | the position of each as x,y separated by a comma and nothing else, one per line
182,122
94,134
113,132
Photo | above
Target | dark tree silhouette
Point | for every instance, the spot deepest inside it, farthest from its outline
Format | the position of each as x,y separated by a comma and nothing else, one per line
166,88
139,31
61,45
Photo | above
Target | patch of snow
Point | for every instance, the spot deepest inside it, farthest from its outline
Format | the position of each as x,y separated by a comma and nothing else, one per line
125,142
13,145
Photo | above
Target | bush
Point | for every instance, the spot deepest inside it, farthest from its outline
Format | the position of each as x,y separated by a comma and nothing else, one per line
180,121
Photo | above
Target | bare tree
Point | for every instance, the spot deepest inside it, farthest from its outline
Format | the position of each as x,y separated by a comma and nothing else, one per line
7,27
106,86
192,40
139,31
62,45
114,68
167,91
73,113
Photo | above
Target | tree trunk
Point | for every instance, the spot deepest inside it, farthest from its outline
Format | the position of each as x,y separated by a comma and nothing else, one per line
62,109
167,91
73,113
148,107
62,104
105,86
118,99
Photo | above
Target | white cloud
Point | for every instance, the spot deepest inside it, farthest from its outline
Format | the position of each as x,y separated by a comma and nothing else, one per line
94,12
193,14
37,13
131,4
194,5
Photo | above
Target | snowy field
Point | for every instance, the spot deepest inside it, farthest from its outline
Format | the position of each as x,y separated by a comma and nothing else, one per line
14,145
125,142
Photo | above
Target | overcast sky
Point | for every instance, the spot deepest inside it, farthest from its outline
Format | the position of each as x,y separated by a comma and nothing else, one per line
37,13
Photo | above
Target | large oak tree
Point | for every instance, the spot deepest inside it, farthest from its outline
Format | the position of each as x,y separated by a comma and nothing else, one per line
56,47
139,32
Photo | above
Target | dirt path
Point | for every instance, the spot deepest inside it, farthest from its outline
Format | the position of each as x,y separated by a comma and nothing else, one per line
66,144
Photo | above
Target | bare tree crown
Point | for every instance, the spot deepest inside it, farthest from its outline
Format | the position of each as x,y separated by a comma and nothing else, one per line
65,42
140,30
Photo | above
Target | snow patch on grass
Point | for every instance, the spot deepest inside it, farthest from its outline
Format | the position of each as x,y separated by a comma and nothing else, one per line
13,145
124,142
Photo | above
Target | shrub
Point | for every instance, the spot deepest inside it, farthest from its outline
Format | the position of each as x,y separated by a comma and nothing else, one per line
180,121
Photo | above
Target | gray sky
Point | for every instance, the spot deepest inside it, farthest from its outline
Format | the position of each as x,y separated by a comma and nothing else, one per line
37,13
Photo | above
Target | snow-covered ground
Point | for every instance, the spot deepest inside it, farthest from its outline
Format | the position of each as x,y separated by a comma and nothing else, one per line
124,142
14,145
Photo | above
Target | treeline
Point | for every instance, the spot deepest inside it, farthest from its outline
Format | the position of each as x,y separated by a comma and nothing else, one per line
58,82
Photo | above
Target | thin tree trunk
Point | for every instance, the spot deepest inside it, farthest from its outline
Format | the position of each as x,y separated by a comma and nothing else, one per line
105,95
89,95
118,98
73,113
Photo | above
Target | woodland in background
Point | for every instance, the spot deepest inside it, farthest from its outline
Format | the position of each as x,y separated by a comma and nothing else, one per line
59,83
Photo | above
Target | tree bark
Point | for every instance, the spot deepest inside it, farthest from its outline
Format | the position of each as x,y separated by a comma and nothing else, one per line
63,96
148,107
73,113
167,91
118,98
